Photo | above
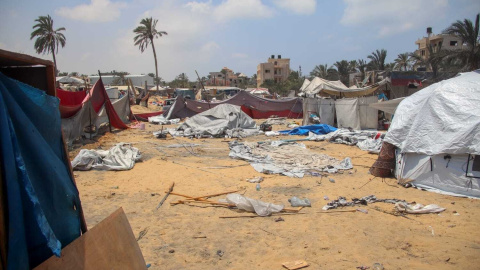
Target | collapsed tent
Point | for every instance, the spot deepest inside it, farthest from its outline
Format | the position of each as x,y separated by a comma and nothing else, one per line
120,157
94,110
286,158
438,133
322,87
219,121
253,106
42,206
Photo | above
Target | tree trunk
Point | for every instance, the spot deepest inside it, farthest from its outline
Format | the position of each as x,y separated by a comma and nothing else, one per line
54,61
156,66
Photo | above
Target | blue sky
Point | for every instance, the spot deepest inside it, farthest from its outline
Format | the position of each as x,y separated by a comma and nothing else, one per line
239,34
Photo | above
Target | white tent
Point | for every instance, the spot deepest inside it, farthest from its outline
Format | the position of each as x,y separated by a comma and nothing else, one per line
438,133
70,80
336,88
388,106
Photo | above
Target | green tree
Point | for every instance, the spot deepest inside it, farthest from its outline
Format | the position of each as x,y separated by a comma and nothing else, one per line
320,71
433,61
47,39
402,61
343,70
469,33
145,33
362,66
353,66
63,74
75,74
377,59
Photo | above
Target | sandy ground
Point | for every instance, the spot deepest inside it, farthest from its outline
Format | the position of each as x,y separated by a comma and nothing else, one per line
190,237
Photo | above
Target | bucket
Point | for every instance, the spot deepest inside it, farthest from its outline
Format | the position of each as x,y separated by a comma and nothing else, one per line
142,126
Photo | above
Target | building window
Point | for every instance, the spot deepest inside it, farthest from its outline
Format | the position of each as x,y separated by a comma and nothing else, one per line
219,75
275,72
423,52
453,43
275,63
230,79
267,70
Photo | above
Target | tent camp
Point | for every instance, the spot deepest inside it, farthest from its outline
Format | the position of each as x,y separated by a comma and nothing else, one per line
253,106
94,109
437,132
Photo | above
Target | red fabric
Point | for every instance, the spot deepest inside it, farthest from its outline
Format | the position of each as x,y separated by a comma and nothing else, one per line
68,98
146,115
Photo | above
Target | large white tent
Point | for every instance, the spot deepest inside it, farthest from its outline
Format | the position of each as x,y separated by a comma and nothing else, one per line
438,133
319,86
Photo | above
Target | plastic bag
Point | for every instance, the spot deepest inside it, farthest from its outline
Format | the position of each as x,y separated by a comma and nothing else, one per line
296,202
252,205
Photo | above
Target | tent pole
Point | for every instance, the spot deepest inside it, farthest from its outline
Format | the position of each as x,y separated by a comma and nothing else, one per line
105,107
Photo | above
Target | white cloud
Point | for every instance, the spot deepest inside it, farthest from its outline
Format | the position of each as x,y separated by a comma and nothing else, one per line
210,46
96,11
235,9
200,7
298,6
392,17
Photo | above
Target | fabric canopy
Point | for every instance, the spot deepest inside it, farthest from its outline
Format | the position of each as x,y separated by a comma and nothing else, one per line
43,203
336,88
388,106
443,118
254,106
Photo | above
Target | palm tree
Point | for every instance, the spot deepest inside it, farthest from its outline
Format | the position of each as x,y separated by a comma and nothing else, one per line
468,32
48,40
432,62
362,66
145,33
343,70
353,66
377,59
402,61
319,71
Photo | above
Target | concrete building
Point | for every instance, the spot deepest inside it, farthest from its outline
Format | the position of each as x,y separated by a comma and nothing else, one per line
276,70
439,41
228,78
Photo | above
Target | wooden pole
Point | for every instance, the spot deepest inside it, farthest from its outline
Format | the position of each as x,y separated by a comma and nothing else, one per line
105,107
165,197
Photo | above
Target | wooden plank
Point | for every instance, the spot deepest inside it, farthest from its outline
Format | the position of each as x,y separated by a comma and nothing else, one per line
19,59
109,245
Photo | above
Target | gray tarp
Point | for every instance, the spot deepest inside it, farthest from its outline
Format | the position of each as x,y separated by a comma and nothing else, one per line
323,107
388,106
355,113
218,122
118,158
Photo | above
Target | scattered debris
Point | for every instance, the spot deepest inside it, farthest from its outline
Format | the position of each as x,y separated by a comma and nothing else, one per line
325,198
279,219
362,210
363,267
295,265
331,180
142,233
418,208
377,266
252,205
171,251
296,202
342,202
220,253
257,179
120,157
166,195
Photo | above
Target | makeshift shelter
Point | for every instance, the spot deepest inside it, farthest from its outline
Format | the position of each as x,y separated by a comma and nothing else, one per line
388,106
40,209
70,80
437,131
253,106
94,110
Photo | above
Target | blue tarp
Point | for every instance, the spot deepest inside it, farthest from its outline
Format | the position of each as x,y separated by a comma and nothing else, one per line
42,201
303,130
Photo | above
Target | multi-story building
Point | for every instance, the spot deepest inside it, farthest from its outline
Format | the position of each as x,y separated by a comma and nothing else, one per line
439,41
226,78
276,70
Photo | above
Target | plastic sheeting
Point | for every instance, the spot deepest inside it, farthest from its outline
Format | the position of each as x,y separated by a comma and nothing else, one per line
443,118
120,157
253,106
305,130
251,205
324,108
388,106
319,86
215,122
355,113
43,202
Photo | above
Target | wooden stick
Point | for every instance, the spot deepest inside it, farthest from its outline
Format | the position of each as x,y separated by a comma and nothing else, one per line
254,216
338,211
164,198
233,205
202,198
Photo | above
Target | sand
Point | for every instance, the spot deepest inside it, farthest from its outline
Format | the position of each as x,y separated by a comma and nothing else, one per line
191,237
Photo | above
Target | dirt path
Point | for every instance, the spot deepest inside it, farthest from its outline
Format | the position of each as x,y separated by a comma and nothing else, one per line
197,235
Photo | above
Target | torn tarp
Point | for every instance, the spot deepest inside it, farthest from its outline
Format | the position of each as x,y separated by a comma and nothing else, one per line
342,202
118,158
367,140
252,205
286,158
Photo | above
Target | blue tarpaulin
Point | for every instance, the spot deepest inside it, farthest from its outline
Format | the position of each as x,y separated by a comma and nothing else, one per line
43,203
303,130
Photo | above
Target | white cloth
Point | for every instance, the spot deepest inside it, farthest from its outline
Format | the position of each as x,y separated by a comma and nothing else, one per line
118,158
